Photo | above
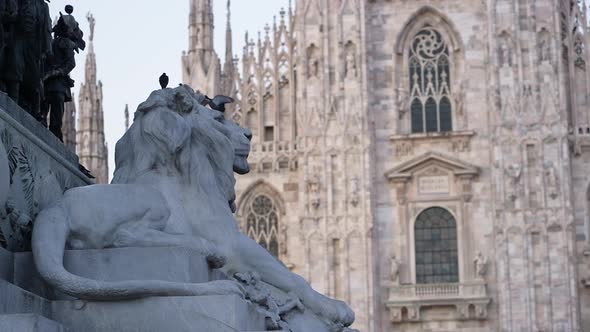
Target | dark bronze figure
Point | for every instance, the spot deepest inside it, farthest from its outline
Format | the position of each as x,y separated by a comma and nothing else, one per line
8,16
67,40
31,44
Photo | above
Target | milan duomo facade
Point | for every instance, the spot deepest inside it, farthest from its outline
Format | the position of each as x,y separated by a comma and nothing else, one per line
426,161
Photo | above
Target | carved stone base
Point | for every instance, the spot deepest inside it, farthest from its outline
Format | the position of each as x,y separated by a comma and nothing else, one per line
29,323
24,292
182,314
163,263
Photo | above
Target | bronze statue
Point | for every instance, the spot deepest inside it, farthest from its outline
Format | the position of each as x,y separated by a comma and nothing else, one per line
67,39
30,45
8,15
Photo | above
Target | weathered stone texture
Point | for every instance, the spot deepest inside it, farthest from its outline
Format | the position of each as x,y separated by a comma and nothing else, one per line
323,91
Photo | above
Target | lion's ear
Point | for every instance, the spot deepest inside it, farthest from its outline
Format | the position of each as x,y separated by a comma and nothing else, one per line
167,129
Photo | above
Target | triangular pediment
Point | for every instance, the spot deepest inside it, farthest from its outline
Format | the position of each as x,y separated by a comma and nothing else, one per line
455,166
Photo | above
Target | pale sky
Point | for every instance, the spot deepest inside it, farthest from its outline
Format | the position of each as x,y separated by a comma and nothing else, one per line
137,40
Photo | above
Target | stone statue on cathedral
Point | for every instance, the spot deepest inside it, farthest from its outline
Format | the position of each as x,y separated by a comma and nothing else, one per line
394,270
481,266
350,65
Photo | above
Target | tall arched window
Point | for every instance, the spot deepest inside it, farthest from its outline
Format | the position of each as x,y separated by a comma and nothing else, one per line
430,83
435,234
262,223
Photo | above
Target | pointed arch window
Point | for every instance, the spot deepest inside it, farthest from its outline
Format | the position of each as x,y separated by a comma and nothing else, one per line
435,237
262,223
430,83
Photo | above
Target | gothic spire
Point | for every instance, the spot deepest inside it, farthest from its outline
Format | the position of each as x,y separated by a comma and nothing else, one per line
229,69
201,66
228,38
201,25
90,69
91,146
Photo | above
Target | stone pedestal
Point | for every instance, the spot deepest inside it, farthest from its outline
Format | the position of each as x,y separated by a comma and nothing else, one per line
41,169
178,314
24,292
155,263
29,323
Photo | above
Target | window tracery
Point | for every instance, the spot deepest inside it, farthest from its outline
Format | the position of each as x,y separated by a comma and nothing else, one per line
435,236
262,223
430,82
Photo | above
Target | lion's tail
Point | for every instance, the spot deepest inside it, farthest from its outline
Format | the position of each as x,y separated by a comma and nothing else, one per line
49,238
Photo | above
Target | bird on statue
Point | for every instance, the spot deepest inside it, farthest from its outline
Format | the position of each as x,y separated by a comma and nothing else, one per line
218,102
164,80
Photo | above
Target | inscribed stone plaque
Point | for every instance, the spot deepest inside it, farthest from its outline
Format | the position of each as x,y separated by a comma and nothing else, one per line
433,185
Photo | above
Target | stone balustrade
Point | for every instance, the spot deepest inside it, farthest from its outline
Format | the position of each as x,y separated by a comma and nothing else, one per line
274,156
264,148
469,299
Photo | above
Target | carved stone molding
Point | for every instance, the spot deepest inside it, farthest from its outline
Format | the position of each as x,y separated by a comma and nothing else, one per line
404,148
406,301
440,165
273,157
457,141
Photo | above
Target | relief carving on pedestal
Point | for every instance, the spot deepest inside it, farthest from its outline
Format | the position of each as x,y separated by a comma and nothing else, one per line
34,181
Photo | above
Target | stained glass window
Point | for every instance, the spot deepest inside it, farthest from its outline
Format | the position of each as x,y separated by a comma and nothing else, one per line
435,235
262,223
430,83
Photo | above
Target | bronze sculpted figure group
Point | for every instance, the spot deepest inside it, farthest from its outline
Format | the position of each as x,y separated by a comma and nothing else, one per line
34,66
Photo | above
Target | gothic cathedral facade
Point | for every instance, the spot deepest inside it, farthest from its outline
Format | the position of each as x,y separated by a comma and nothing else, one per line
426,161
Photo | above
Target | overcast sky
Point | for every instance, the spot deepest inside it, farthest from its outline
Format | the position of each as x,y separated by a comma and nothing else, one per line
137,40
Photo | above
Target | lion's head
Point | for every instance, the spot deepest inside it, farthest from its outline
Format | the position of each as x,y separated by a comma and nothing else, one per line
174,135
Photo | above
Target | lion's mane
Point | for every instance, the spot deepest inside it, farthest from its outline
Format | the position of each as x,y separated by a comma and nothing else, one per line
173,135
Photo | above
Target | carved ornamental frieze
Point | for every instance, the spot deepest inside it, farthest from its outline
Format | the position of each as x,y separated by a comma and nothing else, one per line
454,142
433,174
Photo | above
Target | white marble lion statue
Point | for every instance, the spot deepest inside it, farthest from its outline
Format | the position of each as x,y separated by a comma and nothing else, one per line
173,186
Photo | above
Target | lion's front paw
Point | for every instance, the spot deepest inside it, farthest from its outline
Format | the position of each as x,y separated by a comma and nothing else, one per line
123,238
337,313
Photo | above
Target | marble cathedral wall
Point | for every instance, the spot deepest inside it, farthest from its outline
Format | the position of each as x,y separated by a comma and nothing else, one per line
425,161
